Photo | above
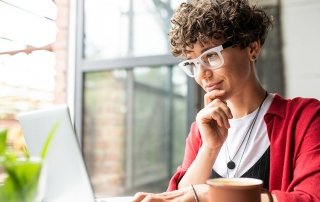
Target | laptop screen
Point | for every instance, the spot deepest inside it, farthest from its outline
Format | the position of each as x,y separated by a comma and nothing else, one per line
67,178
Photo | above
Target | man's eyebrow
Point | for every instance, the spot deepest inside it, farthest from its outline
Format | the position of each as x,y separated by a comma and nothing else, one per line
186,52
209,47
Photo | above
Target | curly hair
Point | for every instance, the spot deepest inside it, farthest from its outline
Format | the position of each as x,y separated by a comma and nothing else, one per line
205,20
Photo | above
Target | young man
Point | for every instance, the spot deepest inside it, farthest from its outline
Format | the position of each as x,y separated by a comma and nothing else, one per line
243,131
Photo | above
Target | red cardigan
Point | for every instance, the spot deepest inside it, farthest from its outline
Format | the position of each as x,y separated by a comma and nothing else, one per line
294,131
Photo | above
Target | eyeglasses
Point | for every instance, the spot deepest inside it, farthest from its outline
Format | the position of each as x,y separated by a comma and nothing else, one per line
211,59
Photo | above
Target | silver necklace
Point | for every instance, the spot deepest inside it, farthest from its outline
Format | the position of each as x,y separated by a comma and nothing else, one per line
231,164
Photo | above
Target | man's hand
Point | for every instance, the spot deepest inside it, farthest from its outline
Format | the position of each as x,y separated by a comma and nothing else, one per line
181,195
212,120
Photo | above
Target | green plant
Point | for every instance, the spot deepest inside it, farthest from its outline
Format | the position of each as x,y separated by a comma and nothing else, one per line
22,172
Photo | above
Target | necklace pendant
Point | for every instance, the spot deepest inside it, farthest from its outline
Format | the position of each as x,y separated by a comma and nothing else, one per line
231,165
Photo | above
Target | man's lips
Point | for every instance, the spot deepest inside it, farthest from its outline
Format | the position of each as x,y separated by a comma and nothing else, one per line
213,86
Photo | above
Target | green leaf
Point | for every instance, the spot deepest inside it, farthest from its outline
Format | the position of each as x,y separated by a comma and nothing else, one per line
48,140
3,141
21,185
26,152
22,174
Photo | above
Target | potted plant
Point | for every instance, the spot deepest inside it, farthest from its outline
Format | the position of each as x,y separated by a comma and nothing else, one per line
22,175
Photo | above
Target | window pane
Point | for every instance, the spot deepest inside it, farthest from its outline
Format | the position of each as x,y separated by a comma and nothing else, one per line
151,118
27,82
180,128
114,29
133,122
156,77
106,29
104,130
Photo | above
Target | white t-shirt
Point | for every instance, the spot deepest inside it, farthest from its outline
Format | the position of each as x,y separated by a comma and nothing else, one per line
257,143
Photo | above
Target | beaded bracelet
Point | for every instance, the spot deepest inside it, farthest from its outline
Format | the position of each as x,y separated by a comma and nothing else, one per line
196,198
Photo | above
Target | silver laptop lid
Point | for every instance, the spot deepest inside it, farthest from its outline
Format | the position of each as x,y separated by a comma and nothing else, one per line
67,178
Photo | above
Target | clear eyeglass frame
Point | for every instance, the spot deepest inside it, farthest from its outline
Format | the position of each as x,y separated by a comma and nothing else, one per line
211,59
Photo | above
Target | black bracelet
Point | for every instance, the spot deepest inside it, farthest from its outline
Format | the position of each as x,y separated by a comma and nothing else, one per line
268,193
196,198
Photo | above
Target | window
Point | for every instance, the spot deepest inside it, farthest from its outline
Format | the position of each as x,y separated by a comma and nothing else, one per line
132,99
118,29
27,61
132,119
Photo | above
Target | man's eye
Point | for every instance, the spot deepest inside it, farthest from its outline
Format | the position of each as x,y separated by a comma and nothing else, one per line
211,56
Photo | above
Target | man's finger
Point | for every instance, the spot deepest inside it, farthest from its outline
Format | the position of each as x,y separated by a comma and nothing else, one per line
171,195
221,104
210,96
139,196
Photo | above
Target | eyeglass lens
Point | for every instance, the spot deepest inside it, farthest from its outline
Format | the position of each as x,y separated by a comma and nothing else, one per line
210,60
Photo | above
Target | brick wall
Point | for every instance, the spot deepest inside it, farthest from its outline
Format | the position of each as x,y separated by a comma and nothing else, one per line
104,132
60,48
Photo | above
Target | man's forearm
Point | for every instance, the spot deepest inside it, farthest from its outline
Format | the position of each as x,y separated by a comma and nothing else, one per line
201,168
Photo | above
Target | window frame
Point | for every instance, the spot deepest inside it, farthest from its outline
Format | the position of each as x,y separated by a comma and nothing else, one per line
83,66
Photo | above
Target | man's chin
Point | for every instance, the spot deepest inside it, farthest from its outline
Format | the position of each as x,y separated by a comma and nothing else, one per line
219,94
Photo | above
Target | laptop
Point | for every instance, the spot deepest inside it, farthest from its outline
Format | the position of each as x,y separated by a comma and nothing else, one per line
67,179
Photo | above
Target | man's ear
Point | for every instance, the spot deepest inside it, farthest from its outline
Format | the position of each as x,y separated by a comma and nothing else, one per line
254,50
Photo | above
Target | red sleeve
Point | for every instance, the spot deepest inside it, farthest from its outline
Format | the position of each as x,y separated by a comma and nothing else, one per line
301,176
306,176
193,144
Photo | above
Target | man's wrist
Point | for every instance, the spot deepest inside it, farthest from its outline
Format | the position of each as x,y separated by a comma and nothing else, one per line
209,150
195,195
268,197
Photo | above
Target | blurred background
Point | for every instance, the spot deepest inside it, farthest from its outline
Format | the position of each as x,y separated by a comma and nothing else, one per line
130,104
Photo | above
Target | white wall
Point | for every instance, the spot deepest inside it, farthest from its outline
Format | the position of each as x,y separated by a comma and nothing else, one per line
301,47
